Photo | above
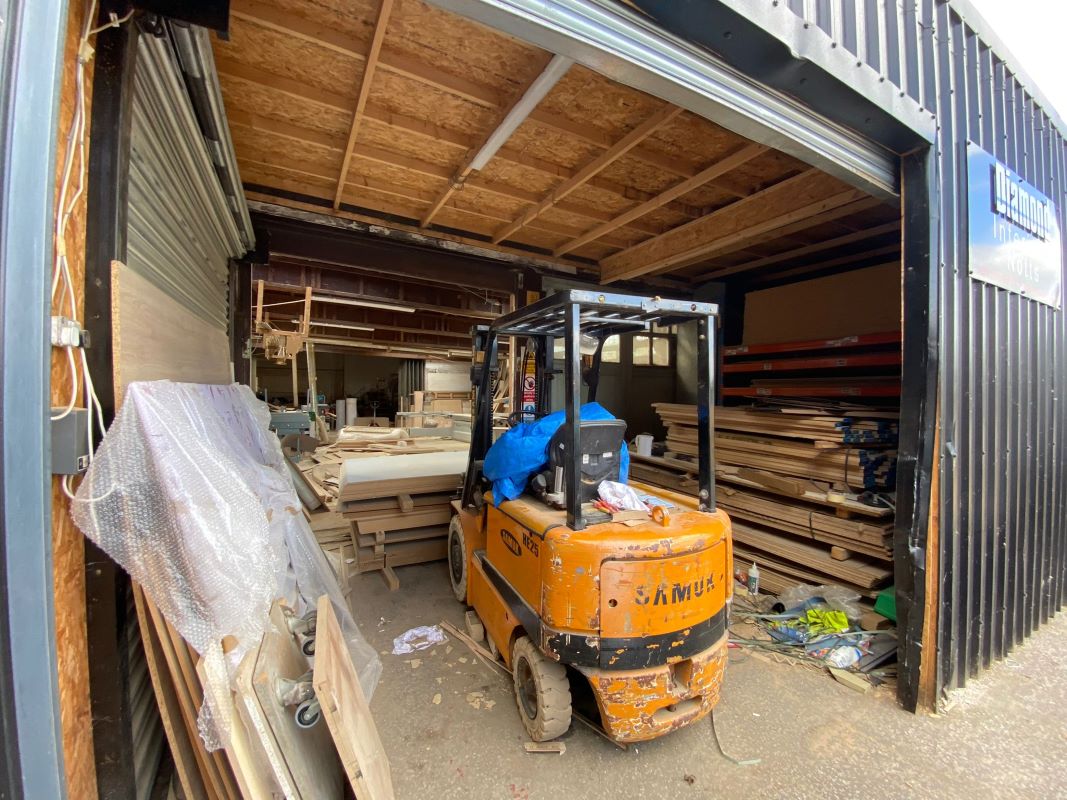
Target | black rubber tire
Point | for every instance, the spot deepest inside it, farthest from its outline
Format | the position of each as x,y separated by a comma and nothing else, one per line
542,692
457,559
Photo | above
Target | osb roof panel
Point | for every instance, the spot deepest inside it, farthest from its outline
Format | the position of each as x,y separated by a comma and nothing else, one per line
270,175
708,196
460,47
585,97
506,207
254,98
362,166
354,17
693,139
389,203
402,95
623,237
631,171
295,58
386,137
518,175
550,145
274,149
601,198
764,170
594,251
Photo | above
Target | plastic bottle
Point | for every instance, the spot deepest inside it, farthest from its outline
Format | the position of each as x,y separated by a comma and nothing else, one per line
753,579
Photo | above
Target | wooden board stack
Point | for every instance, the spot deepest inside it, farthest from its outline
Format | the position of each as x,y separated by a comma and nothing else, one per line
399,508
791,480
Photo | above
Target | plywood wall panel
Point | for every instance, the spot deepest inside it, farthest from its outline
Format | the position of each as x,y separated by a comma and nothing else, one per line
861,301
68,545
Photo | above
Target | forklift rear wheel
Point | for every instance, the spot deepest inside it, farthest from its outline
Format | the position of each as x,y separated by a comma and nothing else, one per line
457,559
542,692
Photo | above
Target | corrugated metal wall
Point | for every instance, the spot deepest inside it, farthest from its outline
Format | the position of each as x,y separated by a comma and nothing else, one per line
1003,376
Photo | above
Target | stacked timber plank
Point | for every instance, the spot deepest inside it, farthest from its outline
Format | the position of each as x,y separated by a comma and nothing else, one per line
796,483
399,508
819,446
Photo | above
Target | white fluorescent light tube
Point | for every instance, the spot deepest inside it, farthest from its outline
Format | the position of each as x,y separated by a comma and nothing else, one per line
349,343
346,325
344,301
521,110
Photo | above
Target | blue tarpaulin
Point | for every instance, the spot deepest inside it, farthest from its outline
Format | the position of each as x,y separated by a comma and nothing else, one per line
523,451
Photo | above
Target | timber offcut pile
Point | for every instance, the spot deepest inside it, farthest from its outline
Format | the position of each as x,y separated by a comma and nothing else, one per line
399,508
804,486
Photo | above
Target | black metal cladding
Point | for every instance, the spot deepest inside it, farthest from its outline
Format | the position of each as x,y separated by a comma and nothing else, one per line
1003,479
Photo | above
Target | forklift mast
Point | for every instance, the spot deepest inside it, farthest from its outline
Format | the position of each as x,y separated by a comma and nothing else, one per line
570,315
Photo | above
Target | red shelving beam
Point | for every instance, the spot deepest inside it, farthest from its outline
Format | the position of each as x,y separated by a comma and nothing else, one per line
862,340
818,362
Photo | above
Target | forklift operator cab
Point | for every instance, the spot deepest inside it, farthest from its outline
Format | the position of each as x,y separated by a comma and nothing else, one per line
633,605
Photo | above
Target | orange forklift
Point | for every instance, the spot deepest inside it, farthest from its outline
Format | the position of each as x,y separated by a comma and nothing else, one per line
627,612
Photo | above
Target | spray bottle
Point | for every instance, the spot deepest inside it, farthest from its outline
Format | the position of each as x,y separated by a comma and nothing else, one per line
753,579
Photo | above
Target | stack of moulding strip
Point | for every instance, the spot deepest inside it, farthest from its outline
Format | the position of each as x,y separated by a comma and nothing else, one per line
865,467
802,521
861,340
792,573
674,473
815,427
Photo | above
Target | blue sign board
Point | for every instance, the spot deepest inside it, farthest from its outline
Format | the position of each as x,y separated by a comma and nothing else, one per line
1013,231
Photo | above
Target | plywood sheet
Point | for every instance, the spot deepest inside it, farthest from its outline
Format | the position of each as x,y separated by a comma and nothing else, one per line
155,338
861,301
347,712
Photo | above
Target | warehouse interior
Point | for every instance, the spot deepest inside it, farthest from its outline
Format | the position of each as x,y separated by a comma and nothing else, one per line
393,175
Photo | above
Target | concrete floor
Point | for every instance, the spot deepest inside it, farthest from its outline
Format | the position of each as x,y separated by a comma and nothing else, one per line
1004,736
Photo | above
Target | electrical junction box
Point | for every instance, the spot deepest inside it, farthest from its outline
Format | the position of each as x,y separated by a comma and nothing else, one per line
70,442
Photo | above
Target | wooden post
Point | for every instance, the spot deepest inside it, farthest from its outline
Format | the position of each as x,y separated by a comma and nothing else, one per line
259,302
296,388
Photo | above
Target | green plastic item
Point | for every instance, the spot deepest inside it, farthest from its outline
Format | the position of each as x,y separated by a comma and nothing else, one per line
886,604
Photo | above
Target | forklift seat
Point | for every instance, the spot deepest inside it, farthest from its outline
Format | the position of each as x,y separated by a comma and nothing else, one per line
599,442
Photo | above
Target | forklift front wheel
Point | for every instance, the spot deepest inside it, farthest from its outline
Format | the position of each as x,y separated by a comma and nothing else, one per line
542,692
457,559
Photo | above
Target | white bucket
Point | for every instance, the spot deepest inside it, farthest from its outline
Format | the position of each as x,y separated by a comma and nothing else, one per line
643,443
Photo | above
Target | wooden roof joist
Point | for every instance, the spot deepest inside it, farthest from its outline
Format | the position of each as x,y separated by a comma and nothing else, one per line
373,54
589,170
720,167
409,125
791,201
288,24
356,182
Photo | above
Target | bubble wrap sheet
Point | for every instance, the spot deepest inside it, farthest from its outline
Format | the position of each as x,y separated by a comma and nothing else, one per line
189,492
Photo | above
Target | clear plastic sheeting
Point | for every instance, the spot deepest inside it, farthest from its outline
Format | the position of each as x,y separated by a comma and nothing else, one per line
189,492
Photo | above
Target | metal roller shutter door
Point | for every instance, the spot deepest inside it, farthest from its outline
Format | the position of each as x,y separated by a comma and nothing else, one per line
181,228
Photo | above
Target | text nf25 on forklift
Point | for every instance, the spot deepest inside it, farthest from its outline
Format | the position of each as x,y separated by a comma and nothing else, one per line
584,604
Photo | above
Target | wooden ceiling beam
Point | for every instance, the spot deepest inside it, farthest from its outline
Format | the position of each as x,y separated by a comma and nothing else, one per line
720,167
613,153
295,26
353,184
502,118
419,128
369,65
731,227
297,133
801,252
